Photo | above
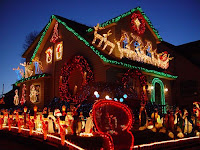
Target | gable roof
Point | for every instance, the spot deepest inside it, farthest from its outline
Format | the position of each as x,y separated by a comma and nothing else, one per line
190,51
116,19
97,52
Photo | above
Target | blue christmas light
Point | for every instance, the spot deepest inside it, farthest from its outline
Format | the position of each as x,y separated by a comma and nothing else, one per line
97,95
125,96
115,99
125,42
121,99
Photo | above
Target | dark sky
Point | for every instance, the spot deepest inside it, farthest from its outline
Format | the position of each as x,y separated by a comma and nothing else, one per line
178,22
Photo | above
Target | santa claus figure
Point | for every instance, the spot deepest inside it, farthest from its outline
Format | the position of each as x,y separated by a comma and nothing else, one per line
196,111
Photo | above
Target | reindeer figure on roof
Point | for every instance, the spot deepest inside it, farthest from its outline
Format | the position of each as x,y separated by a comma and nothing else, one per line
119,46
97,36
108,43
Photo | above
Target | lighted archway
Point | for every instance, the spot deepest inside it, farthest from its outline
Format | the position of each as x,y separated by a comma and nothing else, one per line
154,81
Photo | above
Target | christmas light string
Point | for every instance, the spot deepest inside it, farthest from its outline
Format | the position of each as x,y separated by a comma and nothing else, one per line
55,36
116,19
97,52
102,103
48,135
37,76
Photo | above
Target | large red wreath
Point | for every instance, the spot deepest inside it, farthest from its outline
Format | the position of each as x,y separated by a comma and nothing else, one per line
78,62
142,28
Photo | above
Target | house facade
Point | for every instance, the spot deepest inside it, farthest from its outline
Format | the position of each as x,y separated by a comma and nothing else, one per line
119,58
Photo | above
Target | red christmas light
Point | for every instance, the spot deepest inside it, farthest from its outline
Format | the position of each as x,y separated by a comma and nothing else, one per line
78,62
126,127
55,36
23,100
138,23
143,82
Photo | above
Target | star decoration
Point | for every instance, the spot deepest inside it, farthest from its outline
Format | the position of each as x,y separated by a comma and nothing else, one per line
137,23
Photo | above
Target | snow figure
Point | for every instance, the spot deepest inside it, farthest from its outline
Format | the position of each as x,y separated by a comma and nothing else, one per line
51,121
28,69
16,98
33,93
23,100
57,113
143,117
196,111
20,73
38,65
89,124
187,122
69,120
38,123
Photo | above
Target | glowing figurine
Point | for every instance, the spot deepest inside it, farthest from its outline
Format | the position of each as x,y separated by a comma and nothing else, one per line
28,69
33,93
38,65
23,100
16,98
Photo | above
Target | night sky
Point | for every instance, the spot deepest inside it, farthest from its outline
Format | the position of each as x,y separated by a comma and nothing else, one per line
178,22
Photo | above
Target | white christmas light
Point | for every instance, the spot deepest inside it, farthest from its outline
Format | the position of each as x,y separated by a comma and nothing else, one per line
107,97
96,93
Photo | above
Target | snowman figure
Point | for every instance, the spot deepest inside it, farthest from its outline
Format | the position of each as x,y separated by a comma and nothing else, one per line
16,98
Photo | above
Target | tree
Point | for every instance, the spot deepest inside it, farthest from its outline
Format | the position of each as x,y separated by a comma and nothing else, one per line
29,39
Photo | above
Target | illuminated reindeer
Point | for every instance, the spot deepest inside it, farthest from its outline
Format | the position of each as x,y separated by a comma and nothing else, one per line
108,43
97,36
119,46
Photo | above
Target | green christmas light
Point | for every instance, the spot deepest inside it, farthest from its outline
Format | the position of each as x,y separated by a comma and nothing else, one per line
154,81
30,78
116,19
114,62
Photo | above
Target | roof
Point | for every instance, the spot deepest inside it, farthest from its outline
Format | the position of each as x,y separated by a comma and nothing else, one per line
77,29
116,19
191,51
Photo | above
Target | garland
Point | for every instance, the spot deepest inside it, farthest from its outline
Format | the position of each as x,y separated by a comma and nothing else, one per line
78,62
37,76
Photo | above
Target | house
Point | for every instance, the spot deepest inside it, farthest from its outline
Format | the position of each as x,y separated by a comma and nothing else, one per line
71,61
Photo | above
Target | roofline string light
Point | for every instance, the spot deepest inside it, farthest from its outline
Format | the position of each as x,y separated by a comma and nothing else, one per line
114,62
30,78
116,19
